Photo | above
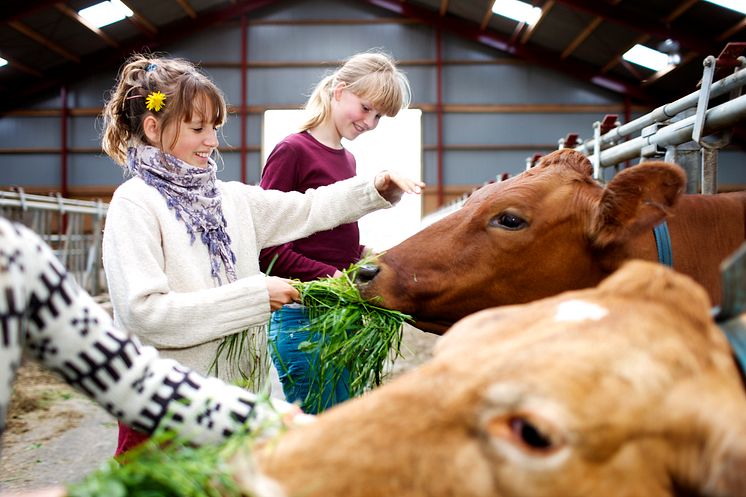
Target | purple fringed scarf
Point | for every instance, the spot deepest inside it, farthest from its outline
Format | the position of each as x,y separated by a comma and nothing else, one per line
191,193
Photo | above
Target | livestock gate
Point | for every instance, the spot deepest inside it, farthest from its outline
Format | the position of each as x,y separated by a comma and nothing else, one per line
688,131
72,228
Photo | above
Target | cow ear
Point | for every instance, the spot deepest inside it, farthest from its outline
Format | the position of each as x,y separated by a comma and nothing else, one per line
635,200
568,157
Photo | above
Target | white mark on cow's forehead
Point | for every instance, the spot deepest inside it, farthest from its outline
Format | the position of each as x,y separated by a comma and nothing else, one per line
579,310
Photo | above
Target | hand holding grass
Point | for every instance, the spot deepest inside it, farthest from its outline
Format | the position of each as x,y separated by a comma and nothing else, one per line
281,292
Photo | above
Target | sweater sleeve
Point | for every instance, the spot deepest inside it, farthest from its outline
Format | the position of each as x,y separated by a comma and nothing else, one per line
144,301
289,216
285,262
58,324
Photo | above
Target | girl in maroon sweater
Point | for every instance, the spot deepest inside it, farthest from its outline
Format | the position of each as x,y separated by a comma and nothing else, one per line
344,104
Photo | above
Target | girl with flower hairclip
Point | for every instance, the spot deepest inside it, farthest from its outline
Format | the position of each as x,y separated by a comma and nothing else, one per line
181,248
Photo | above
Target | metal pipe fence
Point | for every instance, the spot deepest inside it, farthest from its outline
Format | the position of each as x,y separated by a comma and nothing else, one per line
72,228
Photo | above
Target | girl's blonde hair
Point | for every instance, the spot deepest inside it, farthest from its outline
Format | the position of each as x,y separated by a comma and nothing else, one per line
187,92
372,76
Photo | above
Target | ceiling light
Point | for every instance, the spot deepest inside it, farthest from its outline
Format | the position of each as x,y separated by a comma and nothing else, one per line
516,10
3,62
646,57
737,5
105,13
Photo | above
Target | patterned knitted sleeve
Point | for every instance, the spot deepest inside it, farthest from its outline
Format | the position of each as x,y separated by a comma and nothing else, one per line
45,313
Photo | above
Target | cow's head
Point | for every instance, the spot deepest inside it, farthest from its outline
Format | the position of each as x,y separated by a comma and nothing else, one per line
550,229
573,395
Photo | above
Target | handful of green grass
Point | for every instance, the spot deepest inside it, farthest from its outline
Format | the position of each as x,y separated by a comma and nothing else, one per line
163,466
166,465
351,335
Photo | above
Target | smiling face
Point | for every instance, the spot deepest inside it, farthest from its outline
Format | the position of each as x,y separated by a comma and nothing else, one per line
352,115
190,139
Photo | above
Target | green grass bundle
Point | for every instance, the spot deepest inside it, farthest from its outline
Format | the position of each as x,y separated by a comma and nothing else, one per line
167,466
163,466
349,334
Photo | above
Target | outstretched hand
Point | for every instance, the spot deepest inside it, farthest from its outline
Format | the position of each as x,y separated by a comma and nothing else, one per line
392,185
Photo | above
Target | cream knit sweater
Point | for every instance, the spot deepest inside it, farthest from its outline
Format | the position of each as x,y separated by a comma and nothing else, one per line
160,284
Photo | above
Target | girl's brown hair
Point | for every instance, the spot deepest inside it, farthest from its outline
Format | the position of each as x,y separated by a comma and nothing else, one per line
187,91
369,75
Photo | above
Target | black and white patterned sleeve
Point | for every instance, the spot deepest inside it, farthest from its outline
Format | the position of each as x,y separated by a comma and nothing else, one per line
45,314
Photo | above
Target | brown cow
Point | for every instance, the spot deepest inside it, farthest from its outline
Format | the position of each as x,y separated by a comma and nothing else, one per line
551,229
627,389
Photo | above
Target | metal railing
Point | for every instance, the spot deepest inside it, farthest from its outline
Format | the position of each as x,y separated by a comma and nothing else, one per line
72,228
688,131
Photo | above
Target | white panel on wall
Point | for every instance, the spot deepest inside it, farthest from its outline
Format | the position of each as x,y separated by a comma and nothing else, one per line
395,144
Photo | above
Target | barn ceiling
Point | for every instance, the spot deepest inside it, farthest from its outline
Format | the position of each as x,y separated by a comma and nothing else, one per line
48,45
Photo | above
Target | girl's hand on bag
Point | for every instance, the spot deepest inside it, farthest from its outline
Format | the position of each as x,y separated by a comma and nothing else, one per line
392,185
281,292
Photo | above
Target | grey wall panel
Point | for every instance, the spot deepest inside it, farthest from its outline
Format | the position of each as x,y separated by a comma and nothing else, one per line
229,82
84,132
92,92
214,45
23,132
510,84
507,128
93,170
473,167
29,170
460,48
285,87
229,166
423,84
332,43
731,168
479,167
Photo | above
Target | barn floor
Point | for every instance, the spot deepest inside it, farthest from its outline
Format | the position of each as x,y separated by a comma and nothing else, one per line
56,435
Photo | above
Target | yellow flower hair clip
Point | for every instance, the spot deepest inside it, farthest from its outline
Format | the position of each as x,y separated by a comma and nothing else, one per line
155,101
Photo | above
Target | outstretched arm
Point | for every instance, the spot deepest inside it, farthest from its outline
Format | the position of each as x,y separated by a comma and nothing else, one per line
47,315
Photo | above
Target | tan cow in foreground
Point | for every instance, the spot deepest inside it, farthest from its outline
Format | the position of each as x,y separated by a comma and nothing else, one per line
552,229
628,389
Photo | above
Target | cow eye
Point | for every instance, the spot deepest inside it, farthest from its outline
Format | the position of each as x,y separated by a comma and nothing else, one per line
508,221
529,434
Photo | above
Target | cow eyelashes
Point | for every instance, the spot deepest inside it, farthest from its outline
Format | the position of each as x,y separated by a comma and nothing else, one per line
529,434
508,221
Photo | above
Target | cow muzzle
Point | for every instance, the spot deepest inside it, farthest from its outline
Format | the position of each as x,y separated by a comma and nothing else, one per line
366,273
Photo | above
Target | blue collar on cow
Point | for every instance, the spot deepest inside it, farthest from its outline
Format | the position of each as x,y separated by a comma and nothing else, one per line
663,244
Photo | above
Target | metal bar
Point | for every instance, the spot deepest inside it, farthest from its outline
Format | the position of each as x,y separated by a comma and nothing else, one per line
667,111
27,202
716,118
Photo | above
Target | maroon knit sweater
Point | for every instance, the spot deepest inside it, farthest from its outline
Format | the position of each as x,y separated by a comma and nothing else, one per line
300,162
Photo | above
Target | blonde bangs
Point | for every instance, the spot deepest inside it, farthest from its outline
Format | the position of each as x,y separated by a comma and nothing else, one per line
387,92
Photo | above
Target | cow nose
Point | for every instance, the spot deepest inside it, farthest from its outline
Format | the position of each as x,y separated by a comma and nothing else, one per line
366,272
